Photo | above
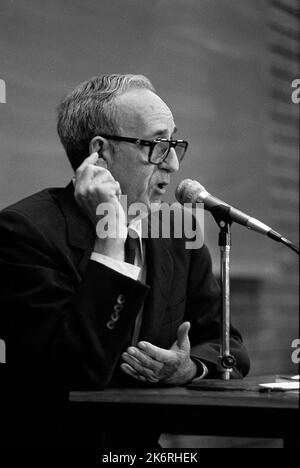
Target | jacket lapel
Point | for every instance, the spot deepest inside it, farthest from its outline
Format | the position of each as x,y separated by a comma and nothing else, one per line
80,231
160,268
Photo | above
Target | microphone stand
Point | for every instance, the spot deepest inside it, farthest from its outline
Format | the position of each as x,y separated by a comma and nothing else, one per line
226,360
221,214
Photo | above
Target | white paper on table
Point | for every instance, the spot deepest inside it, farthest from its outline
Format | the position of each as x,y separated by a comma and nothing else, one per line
283,378
281,385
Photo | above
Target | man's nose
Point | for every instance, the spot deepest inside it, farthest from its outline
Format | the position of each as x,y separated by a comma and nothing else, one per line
171,163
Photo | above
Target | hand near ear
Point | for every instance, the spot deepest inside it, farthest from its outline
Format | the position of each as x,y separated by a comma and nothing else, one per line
101,162
98,193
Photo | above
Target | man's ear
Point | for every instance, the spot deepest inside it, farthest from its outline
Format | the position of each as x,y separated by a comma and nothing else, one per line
100,145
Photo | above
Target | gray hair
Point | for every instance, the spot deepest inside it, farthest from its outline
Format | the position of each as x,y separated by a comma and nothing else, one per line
89,110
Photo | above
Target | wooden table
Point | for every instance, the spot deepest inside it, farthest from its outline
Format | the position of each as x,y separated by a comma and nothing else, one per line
181,410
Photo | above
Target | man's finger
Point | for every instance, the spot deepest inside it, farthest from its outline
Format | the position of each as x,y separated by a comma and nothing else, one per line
183,341
139,368
145,359
89,167
160,354
130,371
101,162
84,176
91,159
93,177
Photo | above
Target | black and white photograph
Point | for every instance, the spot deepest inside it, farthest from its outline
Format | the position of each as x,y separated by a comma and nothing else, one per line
149,227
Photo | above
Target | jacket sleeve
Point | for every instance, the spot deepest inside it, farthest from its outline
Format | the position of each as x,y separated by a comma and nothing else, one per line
60,334
204,312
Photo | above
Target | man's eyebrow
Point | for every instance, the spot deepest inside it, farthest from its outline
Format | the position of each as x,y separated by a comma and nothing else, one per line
162,133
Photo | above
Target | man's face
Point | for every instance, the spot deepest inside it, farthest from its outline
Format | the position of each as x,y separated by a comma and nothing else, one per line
142,114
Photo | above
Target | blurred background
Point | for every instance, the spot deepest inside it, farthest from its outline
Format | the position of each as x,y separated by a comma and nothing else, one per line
225,68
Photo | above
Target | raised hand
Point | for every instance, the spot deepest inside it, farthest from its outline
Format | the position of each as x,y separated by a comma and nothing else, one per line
149,363
94,185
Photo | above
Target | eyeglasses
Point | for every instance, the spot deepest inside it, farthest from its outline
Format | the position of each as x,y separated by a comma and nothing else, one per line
158,148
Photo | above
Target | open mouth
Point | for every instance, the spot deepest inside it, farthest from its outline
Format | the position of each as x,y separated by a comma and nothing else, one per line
162,185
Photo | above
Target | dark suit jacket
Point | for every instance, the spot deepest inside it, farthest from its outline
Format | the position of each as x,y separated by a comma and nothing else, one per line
56,302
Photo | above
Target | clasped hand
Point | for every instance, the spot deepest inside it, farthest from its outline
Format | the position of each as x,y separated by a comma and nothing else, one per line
149,363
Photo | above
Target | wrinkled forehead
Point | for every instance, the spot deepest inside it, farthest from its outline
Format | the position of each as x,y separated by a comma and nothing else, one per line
141,113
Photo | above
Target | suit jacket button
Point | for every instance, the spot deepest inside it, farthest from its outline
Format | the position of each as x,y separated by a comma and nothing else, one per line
115,316
121,299
110,325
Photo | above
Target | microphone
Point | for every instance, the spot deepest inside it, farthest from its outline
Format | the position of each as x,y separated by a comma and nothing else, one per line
190,191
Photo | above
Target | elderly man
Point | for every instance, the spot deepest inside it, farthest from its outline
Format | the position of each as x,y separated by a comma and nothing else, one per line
83,310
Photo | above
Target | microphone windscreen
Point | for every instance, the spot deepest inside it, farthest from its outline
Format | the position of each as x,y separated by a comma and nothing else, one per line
188,191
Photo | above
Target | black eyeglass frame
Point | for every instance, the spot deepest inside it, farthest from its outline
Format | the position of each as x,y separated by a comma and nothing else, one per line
151,144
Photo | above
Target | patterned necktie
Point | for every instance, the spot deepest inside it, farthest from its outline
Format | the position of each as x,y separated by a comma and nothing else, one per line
130,249
130,252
